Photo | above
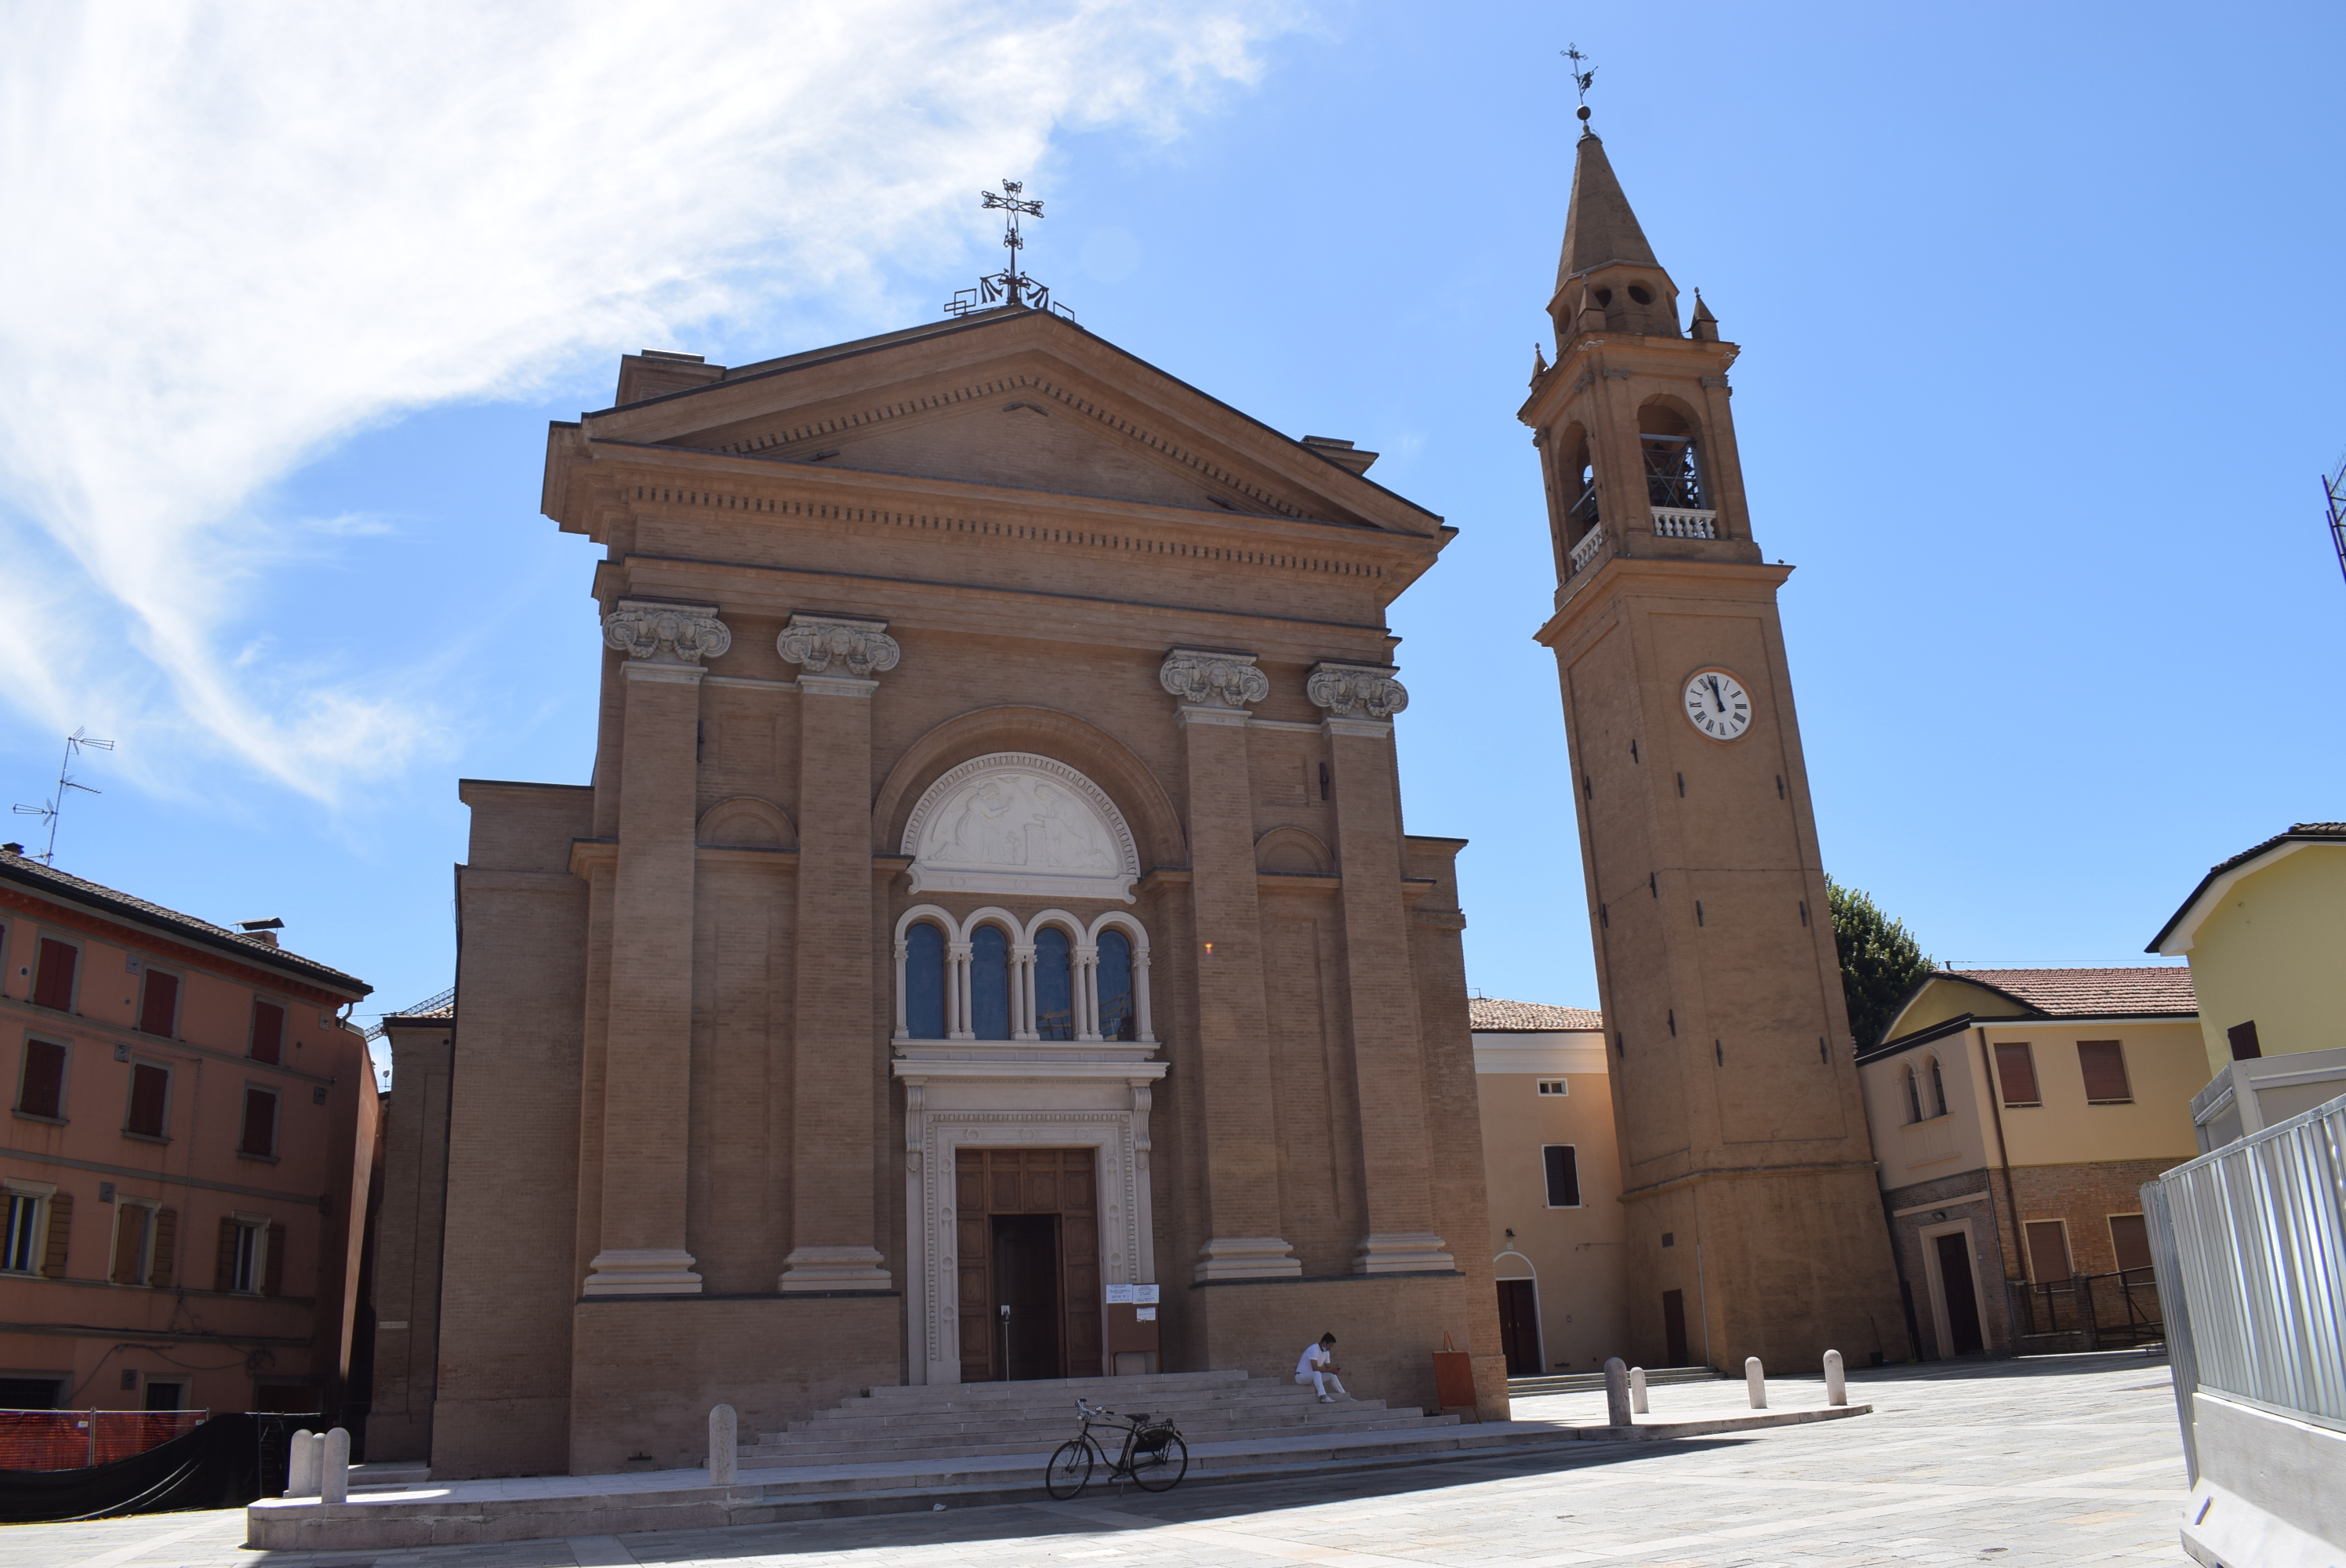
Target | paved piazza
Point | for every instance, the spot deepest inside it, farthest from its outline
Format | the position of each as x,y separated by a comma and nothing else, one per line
2067,1460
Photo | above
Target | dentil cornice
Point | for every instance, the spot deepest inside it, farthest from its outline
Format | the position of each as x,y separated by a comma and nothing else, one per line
658,633
837,644
1210,678
1356,690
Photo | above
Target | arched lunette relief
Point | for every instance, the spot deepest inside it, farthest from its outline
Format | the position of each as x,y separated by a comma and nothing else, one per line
1014,823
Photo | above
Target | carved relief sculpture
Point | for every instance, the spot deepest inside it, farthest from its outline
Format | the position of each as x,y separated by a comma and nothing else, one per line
1210,678
667,634
835,644
1356,690
1012,822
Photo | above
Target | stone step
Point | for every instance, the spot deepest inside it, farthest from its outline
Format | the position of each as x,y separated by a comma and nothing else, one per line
1090,1388
1342,1414
897,1415
1588,1382
1036,1446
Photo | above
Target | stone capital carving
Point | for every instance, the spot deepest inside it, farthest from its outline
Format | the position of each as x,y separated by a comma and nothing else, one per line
1356,690
656,633
838,645
1213,677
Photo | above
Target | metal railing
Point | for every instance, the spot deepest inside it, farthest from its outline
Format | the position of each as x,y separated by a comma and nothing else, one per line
73,1440
1684,523
2092,1311
2258,1236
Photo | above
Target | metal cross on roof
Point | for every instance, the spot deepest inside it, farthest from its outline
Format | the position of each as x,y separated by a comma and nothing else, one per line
1010,285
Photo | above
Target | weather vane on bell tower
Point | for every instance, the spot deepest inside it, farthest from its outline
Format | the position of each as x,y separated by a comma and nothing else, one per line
1583,76
1010,284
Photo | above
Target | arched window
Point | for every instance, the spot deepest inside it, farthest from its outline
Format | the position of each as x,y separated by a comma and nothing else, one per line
1673,465
1120,1019
924,982
1055,991
1938,1088
1913,1096
989,983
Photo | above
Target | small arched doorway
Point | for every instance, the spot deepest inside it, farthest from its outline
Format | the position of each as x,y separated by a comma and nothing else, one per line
1519,1325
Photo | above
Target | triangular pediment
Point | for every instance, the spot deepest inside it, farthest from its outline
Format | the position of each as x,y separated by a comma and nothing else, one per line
1015,400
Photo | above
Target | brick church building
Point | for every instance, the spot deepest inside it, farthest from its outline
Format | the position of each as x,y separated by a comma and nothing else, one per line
991,893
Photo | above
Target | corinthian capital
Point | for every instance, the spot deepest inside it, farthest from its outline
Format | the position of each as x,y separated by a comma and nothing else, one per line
1210,678
660,633
1356,690
838,645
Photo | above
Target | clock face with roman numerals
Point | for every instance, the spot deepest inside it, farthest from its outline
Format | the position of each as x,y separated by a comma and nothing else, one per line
1717,704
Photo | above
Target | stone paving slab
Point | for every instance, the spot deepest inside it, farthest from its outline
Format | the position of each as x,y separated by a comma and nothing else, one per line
2053,1463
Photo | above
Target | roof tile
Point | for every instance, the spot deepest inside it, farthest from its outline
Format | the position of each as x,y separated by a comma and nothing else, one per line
2132,990
1490,1015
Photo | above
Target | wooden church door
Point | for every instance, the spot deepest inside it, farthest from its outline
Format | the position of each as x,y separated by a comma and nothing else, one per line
1026,1230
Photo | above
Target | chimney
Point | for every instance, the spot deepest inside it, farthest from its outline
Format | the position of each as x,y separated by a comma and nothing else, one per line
263,932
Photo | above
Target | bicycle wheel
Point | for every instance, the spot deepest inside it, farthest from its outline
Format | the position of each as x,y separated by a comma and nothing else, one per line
1069,1470
1162,1470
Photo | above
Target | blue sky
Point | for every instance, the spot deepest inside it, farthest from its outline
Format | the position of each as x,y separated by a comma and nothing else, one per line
2040,370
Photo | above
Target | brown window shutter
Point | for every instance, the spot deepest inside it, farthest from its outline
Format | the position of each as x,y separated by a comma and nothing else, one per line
129,1239
53,975
42,1093
259,1122
2103,1063
149,1087
275,1283
60,1232
159,1004
267,1032
2048,1252
166,1246
2243,1039
2130,1240
224,1271
2016,1069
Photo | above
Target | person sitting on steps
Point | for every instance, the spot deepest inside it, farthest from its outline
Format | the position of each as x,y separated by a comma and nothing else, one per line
1319,1368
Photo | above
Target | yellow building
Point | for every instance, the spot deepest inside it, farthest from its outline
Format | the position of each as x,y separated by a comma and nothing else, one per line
1550,1157
2016,1113
2263,930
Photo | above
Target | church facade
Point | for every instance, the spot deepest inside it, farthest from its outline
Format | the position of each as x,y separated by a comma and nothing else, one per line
988,945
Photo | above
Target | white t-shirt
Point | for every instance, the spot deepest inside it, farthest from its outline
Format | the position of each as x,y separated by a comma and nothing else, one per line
1314,1357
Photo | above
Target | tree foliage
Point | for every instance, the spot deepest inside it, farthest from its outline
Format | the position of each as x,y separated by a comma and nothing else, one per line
1880,961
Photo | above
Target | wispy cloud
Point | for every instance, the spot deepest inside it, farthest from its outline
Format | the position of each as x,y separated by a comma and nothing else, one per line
240,232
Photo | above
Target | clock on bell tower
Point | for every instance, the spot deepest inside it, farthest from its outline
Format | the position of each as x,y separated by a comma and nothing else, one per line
1754,1216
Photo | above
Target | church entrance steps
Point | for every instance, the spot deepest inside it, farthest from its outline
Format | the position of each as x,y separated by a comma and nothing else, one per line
1594,1382
942,1422
542,1508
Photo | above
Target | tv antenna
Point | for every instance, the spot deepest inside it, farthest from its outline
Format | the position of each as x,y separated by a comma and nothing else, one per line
2333,492
1010,285
1584,76
48,811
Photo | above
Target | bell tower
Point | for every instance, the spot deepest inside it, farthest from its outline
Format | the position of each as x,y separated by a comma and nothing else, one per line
1754,1218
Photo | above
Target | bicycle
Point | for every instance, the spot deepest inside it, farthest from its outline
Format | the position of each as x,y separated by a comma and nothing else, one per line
1154,1457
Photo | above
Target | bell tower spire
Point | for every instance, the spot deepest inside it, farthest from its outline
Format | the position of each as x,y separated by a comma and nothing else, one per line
1755,1226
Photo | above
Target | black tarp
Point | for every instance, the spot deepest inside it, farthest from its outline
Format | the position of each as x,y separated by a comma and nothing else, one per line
217,1465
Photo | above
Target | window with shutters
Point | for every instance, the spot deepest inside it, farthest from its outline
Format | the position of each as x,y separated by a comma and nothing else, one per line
2048,1252
1561,1165
158,1005
41,1081
259,1140
273,1266
2015,1073
267,1032
243,1254
24,1246
134,1239
2130,1241
2242,1038
53,974
2103,1062
150,1101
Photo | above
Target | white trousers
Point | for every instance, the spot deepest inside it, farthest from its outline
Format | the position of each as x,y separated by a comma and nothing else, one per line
1321,1382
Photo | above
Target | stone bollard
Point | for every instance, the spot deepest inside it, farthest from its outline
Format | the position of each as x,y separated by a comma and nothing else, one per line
300,1466
724,1445
334,1467
1756,1380
1616,1392
1836,1382
1638,1390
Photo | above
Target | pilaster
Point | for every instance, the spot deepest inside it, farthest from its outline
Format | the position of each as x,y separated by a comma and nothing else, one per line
1387,1050
649,1029
1212,688
833,1221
